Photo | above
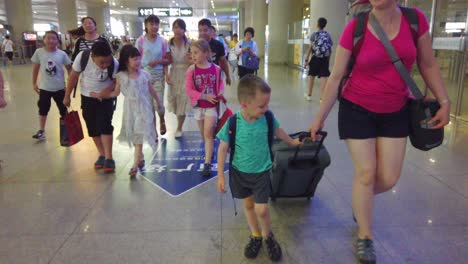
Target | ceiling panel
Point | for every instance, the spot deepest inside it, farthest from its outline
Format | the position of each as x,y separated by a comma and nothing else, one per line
45,11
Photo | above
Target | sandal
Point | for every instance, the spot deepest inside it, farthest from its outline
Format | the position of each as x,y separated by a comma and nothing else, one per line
133,172
141,165
162,127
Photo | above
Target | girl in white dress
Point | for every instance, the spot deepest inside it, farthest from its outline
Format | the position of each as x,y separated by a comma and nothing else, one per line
138,121
178,102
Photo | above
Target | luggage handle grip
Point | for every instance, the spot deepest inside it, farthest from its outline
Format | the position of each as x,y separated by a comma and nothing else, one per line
303,136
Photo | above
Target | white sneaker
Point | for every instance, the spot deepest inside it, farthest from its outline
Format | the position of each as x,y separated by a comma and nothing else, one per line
178,134
307,97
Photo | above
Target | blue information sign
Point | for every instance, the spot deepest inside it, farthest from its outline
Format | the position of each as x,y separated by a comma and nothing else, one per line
176,167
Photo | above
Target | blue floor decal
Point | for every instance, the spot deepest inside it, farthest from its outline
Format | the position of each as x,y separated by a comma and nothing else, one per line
176,166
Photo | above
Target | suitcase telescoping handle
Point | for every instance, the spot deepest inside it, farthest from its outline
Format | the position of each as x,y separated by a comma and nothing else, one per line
303,136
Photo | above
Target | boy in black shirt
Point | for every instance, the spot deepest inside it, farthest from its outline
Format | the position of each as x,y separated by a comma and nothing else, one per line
217,49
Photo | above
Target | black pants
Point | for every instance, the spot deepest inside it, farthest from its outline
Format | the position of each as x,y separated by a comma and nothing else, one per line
45,98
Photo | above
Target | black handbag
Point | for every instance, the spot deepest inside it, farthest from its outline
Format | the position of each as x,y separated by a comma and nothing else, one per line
421,134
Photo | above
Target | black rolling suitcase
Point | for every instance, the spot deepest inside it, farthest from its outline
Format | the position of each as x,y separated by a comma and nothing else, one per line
297,171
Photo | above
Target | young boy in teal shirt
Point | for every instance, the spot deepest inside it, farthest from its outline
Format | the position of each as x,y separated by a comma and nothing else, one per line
249,173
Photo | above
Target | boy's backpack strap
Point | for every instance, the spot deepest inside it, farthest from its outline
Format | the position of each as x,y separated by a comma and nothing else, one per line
84,59
232,125
83,62
413,20
270,123
110,69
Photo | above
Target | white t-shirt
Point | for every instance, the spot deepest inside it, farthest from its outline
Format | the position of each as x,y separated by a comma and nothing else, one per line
93,78
8,45
51,70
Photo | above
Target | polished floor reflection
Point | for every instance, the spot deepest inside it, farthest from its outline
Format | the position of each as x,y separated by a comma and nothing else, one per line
55,208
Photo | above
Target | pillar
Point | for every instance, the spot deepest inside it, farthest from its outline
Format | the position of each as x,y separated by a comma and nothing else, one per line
335,13
67,17
241,25
136,29
295,10
278,31
248,14
260,19
20,17
102,17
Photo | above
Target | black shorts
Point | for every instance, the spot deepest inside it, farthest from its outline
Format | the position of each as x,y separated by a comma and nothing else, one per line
44,101
244,71
9,55
319,67
356,122
98,115
244,185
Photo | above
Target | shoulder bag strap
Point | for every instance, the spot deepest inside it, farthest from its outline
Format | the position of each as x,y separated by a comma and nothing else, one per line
396,60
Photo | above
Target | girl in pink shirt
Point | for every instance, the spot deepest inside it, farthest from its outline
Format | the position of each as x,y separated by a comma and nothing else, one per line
373,116
204,85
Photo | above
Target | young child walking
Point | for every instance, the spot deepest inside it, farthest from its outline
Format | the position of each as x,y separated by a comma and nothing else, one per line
250,169
98,69
138,121
204,85
49,62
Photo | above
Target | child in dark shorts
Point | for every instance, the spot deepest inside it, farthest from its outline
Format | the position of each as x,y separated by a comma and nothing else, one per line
96,76
249,172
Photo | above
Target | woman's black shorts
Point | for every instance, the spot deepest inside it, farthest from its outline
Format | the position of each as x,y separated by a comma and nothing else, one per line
356,122
319,67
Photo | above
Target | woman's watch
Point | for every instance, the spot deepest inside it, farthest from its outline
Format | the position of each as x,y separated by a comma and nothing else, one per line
445,101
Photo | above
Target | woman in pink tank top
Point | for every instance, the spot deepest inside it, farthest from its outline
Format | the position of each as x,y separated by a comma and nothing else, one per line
373,114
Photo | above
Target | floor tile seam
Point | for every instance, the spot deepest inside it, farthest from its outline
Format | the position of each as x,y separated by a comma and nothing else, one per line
343,198
142,232
34,162
430,174
109,185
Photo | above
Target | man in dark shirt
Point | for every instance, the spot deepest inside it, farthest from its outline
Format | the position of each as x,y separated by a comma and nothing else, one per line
217,49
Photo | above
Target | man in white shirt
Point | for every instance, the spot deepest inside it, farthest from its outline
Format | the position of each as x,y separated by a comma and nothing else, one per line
7,48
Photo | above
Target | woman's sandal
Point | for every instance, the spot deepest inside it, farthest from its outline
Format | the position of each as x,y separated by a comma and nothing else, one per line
133,172
141,165
162,128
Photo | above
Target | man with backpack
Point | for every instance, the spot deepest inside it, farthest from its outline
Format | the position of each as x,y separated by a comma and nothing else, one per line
320,48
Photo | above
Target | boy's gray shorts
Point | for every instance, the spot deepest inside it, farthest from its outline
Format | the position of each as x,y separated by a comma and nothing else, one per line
244,185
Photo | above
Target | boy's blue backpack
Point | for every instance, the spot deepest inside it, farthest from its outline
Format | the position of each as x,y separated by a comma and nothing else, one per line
321,44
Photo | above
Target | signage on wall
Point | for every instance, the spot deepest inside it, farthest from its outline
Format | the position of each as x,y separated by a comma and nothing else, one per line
165,11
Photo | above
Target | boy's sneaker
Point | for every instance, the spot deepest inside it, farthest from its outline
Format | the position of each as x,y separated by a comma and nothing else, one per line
39,135
109,166
99,164
206,170
365,253
253,247
307,97
273,248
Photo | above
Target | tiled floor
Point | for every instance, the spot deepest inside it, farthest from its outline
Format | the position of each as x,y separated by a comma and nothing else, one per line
54,208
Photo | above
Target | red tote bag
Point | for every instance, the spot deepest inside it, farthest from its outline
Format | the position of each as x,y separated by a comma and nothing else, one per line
71,130
223,114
